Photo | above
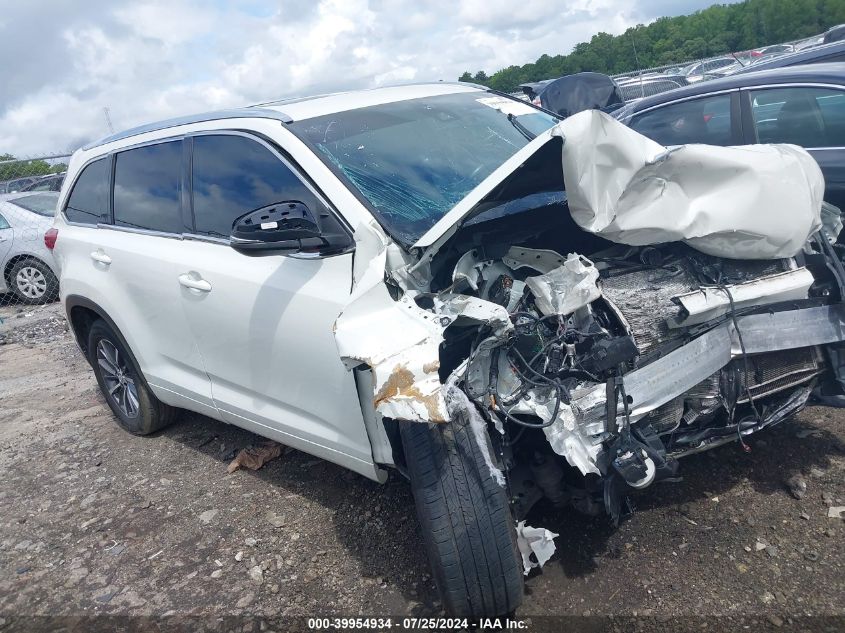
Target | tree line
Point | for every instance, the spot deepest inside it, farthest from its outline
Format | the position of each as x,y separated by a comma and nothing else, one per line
713,31
11,168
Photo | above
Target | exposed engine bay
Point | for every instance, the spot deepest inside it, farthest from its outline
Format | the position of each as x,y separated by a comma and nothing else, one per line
593,359
556,382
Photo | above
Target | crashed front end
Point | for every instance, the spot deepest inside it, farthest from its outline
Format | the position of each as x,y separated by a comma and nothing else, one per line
676,300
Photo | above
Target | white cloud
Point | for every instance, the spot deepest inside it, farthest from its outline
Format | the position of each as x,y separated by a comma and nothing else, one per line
152,59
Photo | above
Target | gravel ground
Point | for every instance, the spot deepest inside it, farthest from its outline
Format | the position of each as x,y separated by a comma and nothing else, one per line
96,521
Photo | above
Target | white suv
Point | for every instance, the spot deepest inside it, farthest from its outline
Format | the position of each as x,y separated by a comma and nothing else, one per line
379,278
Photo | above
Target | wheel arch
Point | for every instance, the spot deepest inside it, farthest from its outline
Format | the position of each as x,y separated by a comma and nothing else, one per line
81,314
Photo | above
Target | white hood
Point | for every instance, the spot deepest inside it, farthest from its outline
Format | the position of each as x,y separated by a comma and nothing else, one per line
750,202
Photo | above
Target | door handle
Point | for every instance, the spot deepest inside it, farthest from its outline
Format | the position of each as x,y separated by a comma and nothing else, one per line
101,257
193,283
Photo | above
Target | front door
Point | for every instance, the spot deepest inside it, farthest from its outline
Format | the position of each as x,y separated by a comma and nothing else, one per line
264,324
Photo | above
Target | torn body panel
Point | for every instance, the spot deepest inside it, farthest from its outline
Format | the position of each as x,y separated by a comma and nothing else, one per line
572,351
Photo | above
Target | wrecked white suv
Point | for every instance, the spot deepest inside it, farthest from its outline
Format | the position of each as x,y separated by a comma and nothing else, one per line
453,283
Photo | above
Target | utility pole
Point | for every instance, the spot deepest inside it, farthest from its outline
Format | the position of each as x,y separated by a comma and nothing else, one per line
108,119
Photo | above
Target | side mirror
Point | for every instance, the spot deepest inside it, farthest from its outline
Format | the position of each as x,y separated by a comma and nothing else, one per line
285,226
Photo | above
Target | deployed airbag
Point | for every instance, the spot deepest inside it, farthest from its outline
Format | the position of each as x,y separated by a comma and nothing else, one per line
750,202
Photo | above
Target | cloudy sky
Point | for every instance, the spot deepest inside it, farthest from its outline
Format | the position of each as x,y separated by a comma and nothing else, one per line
63,61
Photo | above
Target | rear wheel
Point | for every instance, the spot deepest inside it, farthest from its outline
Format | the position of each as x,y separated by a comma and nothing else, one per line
32,281
136,408
466,523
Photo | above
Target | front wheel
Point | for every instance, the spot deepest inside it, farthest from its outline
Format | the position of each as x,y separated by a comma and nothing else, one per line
467,526
136,408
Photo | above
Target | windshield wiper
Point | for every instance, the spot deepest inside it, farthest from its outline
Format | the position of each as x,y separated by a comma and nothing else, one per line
521,128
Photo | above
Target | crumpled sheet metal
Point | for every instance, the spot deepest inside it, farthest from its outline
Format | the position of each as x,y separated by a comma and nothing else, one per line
537,541
567,436
566,288
750,202
399,340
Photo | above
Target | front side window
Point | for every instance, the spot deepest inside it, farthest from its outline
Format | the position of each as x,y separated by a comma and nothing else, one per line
147,188
89,200
232,175
414,160
801,115
706,120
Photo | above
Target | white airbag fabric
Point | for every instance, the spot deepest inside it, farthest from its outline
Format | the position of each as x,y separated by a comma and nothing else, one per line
750,202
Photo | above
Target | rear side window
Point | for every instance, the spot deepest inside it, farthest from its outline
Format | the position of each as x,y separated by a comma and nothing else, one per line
147,188
3,223
802,115
232,175
706,120
89,200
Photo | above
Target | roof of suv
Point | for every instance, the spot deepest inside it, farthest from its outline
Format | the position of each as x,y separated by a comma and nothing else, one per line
833,73
297,109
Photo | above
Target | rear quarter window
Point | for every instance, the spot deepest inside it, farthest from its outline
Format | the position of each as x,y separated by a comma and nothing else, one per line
147,188
89,200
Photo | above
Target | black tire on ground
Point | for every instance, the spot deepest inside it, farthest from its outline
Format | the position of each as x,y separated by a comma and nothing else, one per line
136,408
32,281
466,523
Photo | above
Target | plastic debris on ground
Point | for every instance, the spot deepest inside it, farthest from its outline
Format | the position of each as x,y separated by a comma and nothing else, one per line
836,512
536,541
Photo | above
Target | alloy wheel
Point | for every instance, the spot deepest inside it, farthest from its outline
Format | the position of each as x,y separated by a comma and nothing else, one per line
120,385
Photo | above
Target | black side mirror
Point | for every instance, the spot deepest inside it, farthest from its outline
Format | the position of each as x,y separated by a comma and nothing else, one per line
282,227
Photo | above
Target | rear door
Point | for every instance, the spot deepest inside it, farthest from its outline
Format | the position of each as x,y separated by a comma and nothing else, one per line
811,116
125,260
264,323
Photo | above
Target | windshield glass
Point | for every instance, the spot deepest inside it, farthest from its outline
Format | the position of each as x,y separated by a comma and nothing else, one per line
414,160
40,203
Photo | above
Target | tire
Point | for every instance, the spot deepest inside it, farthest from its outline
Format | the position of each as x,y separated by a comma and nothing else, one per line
136,408
32,281
466,522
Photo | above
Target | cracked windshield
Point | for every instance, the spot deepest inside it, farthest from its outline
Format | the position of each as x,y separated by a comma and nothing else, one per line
414,160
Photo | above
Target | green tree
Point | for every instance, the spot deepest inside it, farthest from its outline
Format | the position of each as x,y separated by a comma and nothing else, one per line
717,30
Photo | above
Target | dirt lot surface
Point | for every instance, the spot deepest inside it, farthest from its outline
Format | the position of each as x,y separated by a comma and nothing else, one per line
96,521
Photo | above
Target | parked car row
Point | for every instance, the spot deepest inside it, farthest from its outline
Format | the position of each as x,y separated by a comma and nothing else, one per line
51,182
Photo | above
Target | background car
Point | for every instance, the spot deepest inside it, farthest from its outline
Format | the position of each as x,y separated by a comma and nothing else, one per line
633,88
52,182
803,105
28,268
697,71
18,184
834,34
834,52
570,94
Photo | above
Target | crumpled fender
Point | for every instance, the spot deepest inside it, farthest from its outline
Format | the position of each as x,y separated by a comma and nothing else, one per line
397,339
